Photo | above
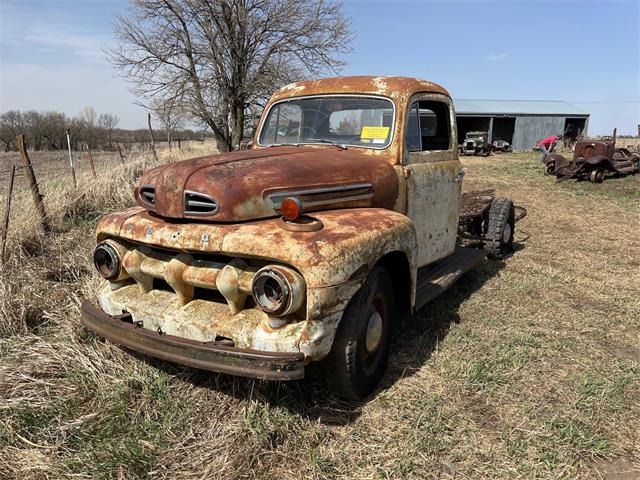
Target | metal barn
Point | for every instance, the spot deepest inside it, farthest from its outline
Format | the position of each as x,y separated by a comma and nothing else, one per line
520,122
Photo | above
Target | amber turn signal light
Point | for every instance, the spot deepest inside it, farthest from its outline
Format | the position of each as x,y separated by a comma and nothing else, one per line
291,208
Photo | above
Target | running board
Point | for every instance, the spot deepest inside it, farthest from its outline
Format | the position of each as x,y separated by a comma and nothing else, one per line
435,278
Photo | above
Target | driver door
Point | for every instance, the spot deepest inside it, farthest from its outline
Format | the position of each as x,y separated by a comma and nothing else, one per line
433,175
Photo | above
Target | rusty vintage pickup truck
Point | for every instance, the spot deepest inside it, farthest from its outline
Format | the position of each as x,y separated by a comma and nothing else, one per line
341,219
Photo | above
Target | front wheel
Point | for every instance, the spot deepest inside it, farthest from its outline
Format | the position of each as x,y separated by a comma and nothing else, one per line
358,358
597,175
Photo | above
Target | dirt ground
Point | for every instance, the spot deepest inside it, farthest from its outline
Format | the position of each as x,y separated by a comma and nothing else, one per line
527,368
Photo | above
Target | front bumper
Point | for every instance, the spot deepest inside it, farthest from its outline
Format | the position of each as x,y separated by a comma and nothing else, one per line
206,355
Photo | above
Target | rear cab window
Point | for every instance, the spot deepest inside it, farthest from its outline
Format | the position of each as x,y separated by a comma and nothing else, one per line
428,126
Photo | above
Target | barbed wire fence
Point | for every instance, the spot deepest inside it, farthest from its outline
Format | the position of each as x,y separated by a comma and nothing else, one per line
51,171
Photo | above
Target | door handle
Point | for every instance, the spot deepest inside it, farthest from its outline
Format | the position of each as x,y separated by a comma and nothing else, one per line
460,176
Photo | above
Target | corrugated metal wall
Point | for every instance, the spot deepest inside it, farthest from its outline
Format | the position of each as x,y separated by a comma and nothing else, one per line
529,129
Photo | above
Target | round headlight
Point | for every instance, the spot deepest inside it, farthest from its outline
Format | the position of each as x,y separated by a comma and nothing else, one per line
106,261
278,290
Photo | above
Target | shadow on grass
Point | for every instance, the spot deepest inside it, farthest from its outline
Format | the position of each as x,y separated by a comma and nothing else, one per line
414,343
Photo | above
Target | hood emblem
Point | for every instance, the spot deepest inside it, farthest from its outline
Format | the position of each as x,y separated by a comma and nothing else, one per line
199,204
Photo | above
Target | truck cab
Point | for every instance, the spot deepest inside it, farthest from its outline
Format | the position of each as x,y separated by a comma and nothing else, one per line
308,247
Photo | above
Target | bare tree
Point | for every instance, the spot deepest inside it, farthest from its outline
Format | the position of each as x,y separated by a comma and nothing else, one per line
87,124
108,122
170,115
221,57
12,123
54,125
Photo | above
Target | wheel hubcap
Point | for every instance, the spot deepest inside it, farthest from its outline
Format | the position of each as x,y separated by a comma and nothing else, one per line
374,332
506,233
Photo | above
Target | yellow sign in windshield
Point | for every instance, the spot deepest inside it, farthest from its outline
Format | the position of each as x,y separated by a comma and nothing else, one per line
374,133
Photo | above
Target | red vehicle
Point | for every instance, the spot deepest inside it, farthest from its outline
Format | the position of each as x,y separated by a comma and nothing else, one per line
592,159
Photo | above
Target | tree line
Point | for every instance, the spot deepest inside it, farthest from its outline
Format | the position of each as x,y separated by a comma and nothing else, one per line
47,130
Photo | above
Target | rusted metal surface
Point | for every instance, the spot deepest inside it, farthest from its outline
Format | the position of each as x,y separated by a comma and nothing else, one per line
393,87
474,204
592,159
352,237
210,355
206,227
330,260
244,183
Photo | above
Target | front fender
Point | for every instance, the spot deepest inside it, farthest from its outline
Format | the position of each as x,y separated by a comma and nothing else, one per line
600,161
350,243
334,260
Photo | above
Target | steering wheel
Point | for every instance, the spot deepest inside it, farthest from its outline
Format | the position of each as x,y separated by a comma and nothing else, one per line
314,132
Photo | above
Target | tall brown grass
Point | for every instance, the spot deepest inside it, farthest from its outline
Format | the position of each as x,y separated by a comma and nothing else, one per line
528,368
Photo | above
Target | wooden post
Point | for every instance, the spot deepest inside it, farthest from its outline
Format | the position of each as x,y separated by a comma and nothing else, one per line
33,184
120,152
179,144
7,211
73,170
93,167
153,140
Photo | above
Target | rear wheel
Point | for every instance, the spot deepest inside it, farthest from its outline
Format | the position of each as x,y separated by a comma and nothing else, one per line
499,228
358,358
597,175
549,169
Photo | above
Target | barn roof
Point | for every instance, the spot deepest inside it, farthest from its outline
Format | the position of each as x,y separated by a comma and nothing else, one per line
512,107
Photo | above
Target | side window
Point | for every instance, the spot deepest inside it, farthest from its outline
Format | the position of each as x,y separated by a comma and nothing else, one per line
428,126
283,124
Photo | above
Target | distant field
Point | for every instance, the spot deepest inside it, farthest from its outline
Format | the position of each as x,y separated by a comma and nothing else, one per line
527,368
52,166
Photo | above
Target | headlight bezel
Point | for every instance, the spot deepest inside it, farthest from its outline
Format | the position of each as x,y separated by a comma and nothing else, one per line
106,251
290,285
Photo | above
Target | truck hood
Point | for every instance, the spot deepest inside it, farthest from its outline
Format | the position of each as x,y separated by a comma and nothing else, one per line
250,184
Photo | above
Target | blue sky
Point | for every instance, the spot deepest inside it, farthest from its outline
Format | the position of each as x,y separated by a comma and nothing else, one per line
584,52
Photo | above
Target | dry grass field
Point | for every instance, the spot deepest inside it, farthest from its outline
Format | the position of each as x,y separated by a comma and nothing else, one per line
527,368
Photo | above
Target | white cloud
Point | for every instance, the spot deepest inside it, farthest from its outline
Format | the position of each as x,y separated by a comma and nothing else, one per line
63,40
496,57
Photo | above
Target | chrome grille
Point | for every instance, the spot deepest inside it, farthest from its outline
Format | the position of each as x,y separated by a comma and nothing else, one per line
148,195
199,204
321,197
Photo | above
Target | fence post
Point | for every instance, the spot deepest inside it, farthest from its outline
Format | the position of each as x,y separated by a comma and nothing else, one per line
93,167
33,184
120,152
7,211
73,170
153,140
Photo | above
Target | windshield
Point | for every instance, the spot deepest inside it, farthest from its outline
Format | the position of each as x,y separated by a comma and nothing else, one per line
341,120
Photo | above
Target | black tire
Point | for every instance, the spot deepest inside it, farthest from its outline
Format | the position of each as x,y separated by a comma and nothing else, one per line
499,228
549,169
352,371
597,175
